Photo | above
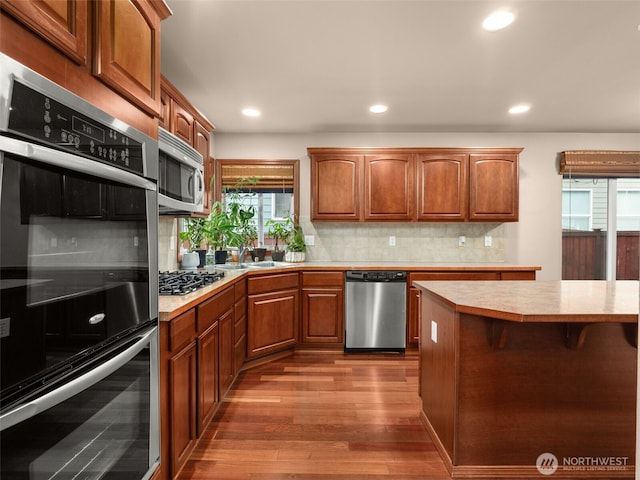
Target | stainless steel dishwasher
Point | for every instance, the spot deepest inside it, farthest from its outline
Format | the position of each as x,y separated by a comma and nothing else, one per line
375,310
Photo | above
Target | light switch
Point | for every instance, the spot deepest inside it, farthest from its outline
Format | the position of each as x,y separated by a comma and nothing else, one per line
434,332
392,241
488,241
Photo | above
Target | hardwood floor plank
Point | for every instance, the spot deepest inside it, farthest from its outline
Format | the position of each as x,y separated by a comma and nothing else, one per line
320,416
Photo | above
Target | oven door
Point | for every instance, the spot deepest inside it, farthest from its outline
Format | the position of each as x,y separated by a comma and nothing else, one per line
101,425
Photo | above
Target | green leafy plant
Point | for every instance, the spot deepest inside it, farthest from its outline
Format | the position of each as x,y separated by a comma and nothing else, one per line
297,243
219,227
280,230
237,203
194,233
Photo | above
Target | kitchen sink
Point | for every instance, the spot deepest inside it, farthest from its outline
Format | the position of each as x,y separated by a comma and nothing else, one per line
230,266
267,264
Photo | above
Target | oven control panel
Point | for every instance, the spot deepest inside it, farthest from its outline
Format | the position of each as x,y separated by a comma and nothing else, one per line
42,118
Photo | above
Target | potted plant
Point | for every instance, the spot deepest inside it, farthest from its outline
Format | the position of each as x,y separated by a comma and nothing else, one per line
218,230
297,246
194,234
280,231
241,212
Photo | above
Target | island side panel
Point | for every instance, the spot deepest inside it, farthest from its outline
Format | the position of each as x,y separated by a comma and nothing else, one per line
438,371
534,395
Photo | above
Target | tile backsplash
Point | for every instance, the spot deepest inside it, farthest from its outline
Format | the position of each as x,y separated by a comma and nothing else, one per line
369,242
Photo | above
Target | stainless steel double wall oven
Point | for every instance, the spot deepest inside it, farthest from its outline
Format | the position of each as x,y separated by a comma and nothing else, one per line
78,284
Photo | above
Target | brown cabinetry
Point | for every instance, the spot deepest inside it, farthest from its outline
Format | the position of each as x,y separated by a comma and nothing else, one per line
272,313
413,293
64,24
240,326
323,308
414,184
178,396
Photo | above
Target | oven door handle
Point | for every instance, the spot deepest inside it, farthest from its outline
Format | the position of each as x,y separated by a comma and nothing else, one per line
77,385
73,162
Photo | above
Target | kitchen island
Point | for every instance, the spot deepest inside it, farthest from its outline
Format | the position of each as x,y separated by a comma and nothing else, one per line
523,379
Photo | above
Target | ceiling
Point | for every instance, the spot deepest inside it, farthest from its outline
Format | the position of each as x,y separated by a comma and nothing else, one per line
317,65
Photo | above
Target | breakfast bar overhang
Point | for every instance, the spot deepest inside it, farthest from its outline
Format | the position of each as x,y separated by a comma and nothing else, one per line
530,379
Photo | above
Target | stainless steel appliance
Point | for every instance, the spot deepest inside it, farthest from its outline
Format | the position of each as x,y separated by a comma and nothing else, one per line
78,286
181,176
375,310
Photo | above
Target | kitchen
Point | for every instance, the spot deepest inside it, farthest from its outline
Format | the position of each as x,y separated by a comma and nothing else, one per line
534,240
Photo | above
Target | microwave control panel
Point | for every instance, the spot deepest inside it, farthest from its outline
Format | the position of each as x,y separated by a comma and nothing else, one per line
50,122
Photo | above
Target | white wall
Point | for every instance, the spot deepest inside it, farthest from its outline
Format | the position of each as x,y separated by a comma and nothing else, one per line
535,240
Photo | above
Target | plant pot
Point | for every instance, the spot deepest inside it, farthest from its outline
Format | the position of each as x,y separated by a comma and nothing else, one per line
221,256
202,257
259,253
277,256
294,257
190,260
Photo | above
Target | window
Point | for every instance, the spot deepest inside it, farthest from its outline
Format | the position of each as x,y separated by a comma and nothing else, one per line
601,228
271,189
576,209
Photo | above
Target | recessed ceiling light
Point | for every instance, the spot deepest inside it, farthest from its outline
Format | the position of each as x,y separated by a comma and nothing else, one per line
519,109
498,20
250,112
379,108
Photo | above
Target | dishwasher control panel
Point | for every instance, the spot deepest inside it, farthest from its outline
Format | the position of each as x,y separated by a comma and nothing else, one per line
376,276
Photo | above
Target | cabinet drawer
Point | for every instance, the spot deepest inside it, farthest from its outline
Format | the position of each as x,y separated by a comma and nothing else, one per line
182,330
272,283
437,276
240,289
210,310
322,279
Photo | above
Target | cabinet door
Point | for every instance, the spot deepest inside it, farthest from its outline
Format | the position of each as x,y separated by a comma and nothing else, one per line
182,122
182,395
272,322
442,187
227,352
164,119
63,23
493,189
208,393
389,187
128,50
323,315
336,187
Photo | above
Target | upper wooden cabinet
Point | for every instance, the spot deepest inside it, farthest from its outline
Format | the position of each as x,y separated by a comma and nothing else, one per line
117,41
133,72
493,190
414,184
389,187
63,23
336,186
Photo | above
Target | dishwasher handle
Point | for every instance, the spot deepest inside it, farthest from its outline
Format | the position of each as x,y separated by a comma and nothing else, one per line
376,276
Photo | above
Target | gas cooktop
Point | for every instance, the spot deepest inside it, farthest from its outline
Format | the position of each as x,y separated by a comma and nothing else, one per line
181,283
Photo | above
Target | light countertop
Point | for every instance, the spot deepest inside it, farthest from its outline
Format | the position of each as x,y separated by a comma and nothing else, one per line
586,301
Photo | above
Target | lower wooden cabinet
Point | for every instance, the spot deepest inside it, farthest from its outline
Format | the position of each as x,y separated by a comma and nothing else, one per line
322,308
240,326
227,352
208,389
272,318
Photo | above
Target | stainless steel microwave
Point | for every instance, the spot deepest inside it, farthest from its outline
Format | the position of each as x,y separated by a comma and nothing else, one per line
180,176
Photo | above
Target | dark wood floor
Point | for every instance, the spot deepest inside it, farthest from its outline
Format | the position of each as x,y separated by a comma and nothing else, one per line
320,415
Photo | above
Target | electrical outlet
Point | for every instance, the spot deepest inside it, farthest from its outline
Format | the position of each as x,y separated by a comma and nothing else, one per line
392,241
434,332
462,241
310,240
488,241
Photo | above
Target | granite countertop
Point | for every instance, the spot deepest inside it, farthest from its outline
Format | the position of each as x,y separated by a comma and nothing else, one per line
580,301
172,306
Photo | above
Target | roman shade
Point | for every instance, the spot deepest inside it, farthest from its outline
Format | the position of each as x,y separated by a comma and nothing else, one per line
269,177
600,163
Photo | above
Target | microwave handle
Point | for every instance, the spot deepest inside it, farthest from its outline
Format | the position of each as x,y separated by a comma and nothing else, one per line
198,186
68,390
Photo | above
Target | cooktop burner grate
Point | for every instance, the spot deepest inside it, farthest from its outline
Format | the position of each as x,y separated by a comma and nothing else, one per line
181,283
